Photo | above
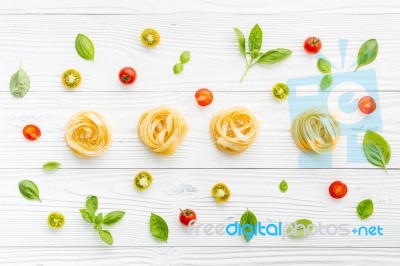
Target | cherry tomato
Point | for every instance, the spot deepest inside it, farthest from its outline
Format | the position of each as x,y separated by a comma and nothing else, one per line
71,78
338,189
31,132
56,220
312,45
127,75
143,180
204,97
187,217
150,37
221,192
280,91
367,105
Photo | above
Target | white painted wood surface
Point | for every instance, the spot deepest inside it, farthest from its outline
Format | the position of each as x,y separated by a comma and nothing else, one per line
41,34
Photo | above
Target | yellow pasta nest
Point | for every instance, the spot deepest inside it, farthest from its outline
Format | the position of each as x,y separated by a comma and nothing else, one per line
234,130
87,134
162,130
315,131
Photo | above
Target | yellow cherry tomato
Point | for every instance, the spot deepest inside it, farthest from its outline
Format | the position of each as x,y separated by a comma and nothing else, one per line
150,37
56,220
71,78
220,192
143,180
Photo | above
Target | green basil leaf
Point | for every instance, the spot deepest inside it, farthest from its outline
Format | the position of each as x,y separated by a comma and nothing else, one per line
324,66
106,237
19,83
158,227
185,57
241,40
376,149
99,218
300,228
365,209
51,165
255,38
248,222
274,56
97,227
92,204
326,82
87,215
113,217
367,53
84,47
178,68
29,190
283,186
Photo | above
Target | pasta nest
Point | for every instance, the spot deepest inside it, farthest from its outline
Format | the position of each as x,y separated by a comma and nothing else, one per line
162,130
234,130
87,134
315,131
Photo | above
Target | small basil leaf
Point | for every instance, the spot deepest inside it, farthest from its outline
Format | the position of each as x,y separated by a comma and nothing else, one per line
99,218
326,82
324,66
376,149
92,204
19,83
51,165
255,38
300,228
248,222
87,216
113,217
185,57
84,47
97,227
283,186
365,209
158,227
29,190
241,40
274,56
106,237
178,68
367,53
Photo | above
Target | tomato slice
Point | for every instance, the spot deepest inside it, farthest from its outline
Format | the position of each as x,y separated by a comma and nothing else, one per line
367,105
338,189
150,37
56,220
220,192
31,132
280,91
71,78
143,180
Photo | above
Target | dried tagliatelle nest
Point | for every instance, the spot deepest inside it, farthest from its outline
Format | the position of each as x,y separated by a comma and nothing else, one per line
87,134
162,130
316,131
234,130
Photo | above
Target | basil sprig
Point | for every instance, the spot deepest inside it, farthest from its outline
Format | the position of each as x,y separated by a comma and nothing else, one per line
376,149
89,215
325,68
184,58
29,190
253,54
158,227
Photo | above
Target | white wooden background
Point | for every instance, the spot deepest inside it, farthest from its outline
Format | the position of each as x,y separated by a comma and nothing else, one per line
42,33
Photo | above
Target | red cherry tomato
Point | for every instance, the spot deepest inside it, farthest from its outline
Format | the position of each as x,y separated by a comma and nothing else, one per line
338,189
367,105
31,132
187,217
312,45
204,97
127,75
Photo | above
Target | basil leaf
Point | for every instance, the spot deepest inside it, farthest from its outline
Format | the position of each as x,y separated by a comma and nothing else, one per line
324,66
92,204
274,56
367,53
158,227
185,57
29,190
178,68
97,227
255,38
365,209
84,47
300,228
19,83
326,82
248,222
87,216
241,40
99,218
283,186
113,217
106,237
51,165
376,149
